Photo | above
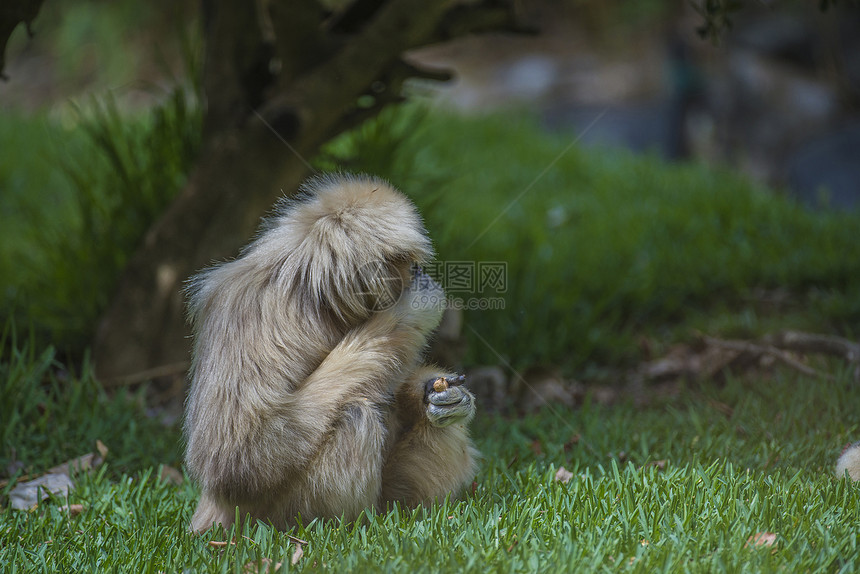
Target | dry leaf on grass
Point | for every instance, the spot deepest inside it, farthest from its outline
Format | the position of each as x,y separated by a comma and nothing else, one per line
572,441
296,540
264,567
659,464
56,481
26,495
82,463
297,555
563,475
73,509
760,539
171,475
103,450
710,357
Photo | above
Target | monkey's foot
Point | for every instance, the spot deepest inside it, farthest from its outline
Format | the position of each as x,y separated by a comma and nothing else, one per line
448,401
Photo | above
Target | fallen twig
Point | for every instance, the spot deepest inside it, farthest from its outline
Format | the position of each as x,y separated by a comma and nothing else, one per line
814,343
297,540
762,349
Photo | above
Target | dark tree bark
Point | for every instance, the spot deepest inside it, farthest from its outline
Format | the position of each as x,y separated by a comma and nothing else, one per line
13,13
270,66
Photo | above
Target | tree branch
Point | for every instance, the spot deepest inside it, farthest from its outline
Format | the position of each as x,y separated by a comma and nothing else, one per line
393,30
758,350
352,17
389,90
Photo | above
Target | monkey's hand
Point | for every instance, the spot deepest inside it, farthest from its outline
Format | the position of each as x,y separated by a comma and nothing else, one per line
448,401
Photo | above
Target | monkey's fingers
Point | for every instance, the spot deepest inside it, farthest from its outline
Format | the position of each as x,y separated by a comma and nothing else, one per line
450,396
450,406
441,384
457,381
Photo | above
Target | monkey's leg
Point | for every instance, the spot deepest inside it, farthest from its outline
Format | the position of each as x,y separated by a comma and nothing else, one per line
346,476
342,479
211,511
433,455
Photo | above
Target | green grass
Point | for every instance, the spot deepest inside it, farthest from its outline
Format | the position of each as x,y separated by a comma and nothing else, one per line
765,467
82,179
602,247
37,198
49,415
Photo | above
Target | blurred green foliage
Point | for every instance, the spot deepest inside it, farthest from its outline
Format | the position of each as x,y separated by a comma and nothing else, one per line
81,182
603,247
93,46
79,194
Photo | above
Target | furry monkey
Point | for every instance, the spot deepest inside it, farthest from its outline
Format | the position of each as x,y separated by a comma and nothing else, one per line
849,461
308,396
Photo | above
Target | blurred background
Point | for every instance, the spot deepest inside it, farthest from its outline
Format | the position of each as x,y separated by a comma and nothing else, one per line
645,171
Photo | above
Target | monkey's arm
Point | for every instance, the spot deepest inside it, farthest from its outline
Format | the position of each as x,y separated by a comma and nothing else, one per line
434,455
369,363
258,440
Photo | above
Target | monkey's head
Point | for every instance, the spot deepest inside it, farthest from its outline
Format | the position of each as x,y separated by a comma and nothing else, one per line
353,242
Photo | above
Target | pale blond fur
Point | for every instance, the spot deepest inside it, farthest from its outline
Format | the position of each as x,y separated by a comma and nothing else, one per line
307,393
849,461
